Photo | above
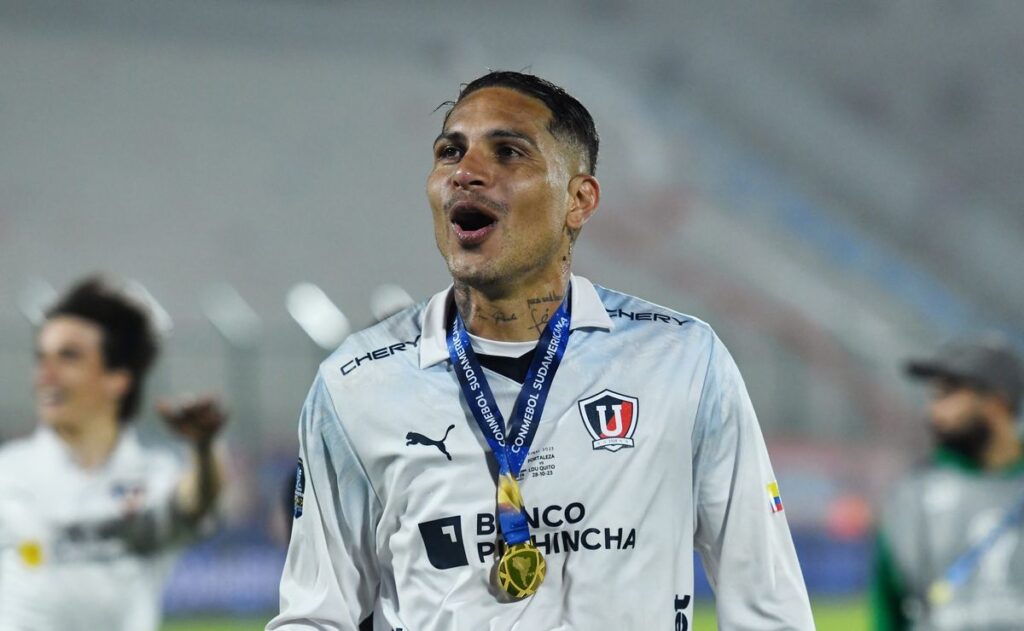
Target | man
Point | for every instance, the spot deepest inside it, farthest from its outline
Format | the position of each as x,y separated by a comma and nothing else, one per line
949,553
90,519
418,503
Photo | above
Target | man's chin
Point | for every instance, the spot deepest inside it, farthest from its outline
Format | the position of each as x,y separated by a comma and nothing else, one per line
55,421
970,442
472,273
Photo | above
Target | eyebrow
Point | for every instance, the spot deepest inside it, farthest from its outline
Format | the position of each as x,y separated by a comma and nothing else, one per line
494,134
511,133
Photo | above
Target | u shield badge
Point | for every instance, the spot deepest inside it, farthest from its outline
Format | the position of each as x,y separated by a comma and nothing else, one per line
610,419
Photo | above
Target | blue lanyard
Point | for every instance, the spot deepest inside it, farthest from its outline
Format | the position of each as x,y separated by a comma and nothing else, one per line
510,449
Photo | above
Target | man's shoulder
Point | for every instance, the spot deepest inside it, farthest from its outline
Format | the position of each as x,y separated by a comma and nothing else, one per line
627,310
938,468
167,457
923,479
378,346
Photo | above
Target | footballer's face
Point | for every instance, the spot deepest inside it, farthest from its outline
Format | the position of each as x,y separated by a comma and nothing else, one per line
504,191
959,417
71,381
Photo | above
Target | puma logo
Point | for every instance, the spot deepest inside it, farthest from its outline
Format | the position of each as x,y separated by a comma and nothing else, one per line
413,438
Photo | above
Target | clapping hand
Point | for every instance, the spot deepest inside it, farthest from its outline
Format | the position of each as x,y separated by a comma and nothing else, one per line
196,418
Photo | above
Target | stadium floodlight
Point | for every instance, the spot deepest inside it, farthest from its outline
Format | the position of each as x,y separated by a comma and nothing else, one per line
320,318
161,319
231,315
36,297
388,300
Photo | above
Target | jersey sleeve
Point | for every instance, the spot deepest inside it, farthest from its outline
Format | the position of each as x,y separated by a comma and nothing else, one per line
330,579
162,526
741,531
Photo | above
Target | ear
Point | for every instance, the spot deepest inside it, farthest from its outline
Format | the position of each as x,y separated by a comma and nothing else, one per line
117,382
584,196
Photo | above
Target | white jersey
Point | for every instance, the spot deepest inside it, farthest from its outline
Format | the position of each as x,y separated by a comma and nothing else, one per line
84,550
647,450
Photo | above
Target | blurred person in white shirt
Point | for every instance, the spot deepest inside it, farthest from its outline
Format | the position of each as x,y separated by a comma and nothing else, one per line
91,520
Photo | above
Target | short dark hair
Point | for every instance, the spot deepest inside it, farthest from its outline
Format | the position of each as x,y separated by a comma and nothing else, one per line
570,121
129,341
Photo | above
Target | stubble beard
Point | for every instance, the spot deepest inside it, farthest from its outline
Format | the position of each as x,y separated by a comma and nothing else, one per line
516,263
478,275
970,441
62,425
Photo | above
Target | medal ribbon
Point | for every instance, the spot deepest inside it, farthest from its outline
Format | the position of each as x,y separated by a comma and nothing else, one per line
961,569
510,449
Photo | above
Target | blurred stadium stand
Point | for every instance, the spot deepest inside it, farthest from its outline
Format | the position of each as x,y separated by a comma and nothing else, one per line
832,185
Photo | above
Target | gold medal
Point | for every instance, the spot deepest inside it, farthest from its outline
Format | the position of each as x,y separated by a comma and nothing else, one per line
521,570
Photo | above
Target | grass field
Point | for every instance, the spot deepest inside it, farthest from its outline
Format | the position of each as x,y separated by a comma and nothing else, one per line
830,615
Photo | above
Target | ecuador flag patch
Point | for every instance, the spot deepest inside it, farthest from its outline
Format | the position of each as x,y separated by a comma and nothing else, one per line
774,499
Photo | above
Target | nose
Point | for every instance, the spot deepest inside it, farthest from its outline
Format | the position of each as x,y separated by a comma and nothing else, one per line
939,412
472,172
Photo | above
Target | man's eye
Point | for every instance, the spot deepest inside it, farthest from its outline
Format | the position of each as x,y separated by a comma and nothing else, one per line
448,152
508,151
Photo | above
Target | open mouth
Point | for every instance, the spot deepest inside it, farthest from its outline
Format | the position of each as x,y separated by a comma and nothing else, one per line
471,223
51,398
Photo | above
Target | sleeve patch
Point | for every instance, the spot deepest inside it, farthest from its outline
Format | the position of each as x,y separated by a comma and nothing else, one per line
774,499
300,487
